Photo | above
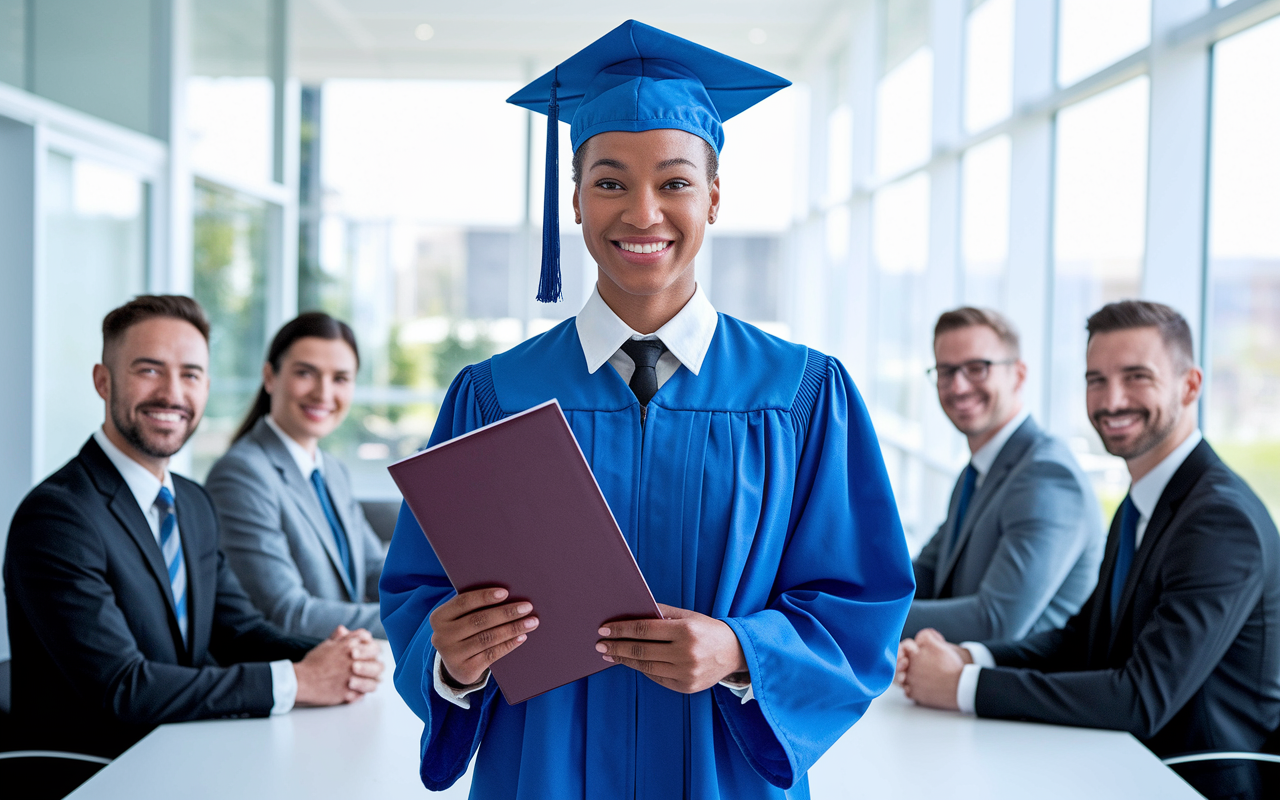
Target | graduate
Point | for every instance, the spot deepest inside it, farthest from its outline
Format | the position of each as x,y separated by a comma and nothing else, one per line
742,469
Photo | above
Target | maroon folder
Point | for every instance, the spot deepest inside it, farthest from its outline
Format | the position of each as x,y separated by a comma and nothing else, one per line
514,504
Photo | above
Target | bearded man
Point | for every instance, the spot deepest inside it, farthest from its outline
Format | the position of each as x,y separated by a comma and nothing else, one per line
1177,644
123,613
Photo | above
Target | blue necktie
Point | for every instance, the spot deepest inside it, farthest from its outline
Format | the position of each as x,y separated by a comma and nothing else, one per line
1124,553
339,535
171,549
966,492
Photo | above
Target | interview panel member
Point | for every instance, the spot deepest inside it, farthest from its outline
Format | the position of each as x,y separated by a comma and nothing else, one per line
291,528
123,614
1177,644
1020,547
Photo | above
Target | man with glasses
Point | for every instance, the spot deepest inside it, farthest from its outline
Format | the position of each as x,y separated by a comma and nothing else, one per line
1020,548
1177,644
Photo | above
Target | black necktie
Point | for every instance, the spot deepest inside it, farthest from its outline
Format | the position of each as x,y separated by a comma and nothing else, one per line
645,353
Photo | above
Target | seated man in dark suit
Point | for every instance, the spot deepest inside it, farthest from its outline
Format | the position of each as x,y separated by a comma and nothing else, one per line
1020,548
122,612
1178,643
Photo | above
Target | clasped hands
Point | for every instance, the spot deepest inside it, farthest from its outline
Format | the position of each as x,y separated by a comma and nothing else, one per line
686,651
929,669
340,669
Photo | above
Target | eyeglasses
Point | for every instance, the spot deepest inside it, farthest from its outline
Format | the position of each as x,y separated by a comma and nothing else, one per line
975,371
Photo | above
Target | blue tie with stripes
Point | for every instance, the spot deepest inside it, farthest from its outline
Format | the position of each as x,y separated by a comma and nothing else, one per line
171,549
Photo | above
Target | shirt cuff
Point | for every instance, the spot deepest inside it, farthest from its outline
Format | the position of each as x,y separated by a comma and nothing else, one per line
967,689
284,687
459,697
979,653
744,691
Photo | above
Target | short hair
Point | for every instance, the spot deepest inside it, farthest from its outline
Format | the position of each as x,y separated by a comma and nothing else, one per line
1125,315
968,316
713,162
150,306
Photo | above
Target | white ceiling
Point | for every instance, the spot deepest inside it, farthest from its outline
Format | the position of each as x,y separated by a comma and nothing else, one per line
519,39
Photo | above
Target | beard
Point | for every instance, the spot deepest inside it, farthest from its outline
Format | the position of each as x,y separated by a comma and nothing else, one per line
1150,436
127,425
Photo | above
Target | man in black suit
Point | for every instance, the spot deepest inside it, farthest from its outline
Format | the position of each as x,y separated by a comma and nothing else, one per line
122,611
1179,642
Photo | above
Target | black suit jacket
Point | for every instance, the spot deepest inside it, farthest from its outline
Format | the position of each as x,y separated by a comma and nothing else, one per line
97,657
1193,662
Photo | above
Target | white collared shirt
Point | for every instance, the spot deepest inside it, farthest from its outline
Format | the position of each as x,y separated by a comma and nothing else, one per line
307,463
986,456
1145,493
145,487
601,332
687,336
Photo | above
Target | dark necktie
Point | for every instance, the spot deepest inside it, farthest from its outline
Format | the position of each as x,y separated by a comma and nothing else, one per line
1124,553
645,353
339,535
969,480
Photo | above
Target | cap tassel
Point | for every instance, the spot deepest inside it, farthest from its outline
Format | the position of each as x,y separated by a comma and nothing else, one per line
549,281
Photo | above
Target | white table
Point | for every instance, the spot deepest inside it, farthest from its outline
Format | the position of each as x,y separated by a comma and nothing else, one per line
370,749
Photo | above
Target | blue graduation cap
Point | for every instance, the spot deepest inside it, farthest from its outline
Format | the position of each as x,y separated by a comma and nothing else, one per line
634,78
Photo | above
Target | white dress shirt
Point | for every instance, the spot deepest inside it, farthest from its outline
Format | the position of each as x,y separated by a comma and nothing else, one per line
145,487
307,463
1145,493
601,333
987,454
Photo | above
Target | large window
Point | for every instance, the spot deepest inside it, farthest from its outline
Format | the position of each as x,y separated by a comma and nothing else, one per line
1098,243
1094,33
988,63
902,342
95,224
904,97
1243,397
420,246
984,236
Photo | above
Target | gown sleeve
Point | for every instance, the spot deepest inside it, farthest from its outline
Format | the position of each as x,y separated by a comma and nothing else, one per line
826,644
413,584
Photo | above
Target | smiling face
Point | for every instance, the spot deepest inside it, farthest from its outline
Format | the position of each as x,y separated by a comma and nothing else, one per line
155,381
978,409
644,203
1140,396
311,393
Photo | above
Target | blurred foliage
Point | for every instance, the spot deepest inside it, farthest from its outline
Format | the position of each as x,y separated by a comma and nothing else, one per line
229,259
453,355
1259,464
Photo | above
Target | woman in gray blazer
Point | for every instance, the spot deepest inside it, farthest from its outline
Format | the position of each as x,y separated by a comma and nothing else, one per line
291,529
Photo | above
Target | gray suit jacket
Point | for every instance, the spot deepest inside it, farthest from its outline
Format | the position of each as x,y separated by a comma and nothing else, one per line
277,540
1028,550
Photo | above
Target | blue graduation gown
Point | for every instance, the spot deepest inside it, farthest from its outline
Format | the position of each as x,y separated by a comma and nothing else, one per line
754,493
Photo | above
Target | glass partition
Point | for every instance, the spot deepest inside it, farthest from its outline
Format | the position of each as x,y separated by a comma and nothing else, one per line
13,42
230,92
230,262
95,229
1242,412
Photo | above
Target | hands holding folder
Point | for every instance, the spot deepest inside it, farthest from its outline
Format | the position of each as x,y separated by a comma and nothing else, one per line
685,651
